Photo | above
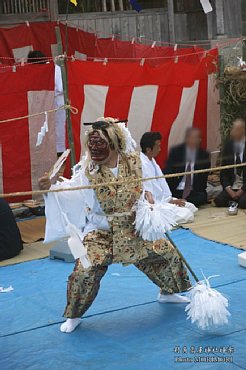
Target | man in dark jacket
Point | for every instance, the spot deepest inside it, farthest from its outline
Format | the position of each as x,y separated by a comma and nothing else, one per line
10,239
188,157
233,180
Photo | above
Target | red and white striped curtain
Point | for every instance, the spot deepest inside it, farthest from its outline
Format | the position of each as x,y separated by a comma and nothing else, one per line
27,91
166,97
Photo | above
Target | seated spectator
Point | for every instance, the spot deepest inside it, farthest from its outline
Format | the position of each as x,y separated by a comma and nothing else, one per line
36,57
187,157
10,239
233,180
157,190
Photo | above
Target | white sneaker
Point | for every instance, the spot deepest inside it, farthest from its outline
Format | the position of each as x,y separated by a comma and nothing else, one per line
172,298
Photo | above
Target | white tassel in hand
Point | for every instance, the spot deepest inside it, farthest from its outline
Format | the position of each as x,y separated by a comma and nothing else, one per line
153,220
207,307
76,238
75,243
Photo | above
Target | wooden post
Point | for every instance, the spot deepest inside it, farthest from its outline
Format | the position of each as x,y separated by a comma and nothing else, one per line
112,5
222,86
243,7
171,21
121,6
53,10
66,97
104,5
210,22
220,17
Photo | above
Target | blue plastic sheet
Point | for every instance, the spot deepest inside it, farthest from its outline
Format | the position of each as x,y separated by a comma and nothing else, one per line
125,328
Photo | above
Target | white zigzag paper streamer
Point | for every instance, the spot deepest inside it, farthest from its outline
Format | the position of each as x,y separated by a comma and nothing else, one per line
44,129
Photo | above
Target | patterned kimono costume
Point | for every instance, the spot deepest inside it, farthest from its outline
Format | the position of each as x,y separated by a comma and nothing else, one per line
159,260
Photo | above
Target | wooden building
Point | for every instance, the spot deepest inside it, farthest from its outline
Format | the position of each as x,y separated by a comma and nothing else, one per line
160,20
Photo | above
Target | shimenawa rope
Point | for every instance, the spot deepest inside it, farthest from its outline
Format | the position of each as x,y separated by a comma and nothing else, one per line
65,106
123,182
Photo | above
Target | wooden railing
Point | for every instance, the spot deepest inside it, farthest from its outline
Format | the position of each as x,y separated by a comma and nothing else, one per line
56,7
94,6
121,5
88,6
23,6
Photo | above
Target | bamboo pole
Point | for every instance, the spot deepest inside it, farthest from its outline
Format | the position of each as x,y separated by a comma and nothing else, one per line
66,97
182,257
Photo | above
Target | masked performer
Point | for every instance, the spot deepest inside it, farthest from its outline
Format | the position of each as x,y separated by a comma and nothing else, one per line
100,222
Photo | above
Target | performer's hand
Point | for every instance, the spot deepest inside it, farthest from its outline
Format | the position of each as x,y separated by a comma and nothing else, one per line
44,182
178,202
149,197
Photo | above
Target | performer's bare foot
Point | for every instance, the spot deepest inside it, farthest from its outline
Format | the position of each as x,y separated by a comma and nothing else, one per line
69,325
172,298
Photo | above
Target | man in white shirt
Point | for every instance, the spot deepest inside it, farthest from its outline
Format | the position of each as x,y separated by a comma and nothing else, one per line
232,180
158,189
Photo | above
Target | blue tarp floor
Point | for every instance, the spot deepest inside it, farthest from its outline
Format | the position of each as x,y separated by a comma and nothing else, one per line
125,328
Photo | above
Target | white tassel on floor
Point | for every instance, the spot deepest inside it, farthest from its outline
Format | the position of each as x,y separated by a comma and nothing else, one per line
153,220
207,307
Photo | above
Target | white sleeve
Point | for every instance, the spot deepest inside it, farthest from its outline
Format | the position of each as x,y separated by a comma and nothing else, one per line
158,188
166,192
147,185
72,205
167,195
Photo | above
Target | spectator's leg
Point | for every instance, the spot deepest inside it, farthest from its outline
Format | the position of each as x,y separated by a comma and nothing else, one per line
223,199
197,198
242,201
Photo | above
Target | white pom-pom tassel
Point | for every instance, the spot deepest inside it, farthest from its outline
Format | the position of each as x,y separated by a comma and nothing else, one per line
153,220
207,307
